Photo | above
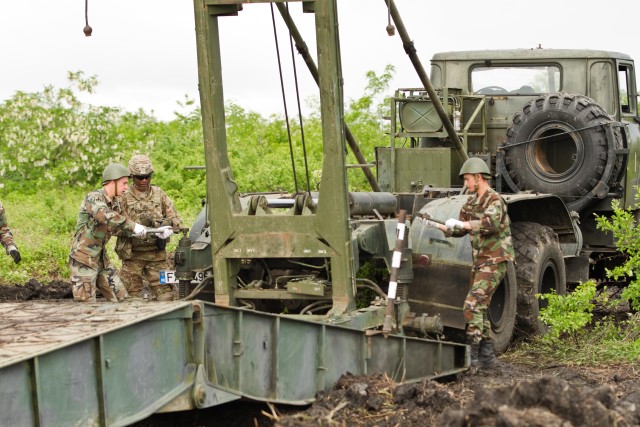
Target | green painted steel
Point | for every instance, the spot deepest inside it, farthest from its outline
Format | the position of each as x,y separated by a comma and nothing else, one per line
286,360
415,168
114,364
236,234
92,364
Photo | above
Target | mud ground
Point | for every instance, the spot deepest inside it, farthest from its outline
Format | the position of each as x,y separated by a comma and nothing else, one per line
33,290
516,394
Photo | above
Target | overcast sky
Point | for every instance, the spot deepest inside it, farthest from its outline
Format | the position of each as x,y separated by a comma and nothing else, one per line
144,55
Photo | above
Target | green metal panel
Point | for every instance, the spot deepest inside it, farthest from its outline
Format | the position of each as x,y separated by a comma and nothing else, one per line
92,364
115,364
268,357
415,168
16,396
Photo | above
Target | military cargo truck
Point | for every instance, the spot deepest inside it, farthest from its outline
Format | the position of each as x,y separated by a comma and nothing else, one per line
555,127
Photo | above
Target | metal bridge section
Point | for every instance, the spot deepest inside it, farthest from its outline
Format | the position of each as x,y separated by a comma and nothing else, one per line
110,364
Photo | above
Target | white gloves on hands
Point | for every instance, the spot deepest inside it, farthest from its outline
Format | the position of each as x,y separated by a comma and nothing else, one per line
429,223
166,232
139,230
454,223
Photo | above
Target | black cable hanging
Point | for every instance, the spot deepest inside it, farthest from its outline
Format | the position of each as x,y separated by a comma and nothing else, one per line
284,100
295,77
87,30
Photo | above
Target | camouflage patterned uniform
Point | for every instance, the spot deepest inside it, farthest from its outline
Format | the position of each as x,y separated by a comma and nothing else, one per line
143,258
99,218
492,248
6,237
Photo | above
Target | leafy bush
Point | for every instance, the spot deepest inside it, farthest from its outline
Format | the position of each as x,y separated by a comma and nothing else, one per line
623,224
51,138
568,314
607,341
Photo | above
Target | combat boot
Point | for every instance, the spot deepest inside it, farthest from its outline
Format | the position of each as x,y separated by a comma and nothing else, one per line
487,356
474,349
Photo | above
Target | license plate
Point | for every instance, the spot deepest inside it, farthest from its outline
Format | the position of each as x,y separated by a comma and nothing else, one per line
168,277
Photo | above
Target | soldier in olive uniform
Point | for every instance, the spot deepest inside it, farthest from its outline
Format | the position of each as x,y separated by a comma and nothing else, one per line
484,217
100,217
6,237
143,258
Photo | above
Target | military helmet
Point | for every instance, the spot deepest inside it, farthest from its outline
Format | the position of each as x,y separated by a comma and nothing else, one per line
140,165
475,165
114,171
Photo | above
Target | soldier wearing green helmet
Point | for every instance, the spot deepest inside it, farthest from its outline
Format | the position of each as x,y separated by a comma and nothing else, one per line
475,165
484,218
144,257
99,217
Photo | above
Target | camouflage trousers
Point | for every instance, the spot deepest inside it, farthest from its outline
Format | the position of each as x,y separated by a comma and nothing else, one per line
484,281
135,272
85,281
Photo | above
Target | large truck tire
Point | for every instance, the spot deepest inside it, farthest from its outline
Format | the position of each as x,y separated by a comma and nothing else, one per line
539,270
502,310
564,144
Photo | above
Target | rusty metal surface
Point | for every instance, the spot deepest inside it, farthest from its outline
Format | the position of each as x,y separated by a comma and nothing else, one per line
29,329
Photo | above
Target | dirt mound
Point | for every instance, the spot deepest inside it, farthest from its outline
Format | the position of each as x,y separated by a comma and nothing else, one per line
34,290
374,400
544,401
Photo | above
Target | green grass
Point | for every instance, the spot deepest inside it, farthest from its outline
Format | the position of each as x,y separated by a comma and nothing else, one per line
43,226
606,341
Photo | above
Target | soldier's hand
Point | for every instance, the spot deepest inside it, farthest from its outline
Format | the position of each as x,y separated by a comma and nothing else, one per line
454,223
166,232
15,253
139,230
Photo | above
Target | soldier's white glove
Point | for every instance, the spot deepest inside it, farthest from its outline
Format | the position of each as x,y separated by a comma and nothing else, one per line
139,230
429,223
454,223
166,232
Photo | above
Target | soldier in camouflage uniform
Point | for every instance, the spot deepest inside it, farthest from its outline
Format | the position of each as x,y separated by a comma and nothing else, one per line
484,217
6,237
143,258
100,217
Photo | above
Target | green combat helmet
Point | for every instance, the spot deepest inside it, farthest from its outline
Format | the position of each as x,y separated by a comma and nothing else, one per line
114,171
140,165
474,165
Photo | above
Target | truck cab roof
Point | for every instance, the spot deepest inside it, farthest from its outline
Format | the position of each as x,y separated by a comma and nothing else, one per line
514,54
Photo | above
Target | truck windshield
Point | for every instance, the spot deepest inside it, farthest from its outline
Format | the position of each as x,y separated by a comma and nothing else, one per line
515,79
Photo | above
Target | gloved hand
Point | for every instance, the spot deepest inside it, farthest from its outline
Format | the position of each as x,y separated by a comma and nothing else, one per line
454,223
15,253
166,232
429,223
139,230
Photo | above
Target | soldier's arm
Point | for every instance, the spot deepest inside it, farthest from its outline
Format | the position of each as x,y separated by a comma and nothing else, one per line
6,237
171,214
490,222
122,209
102,214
